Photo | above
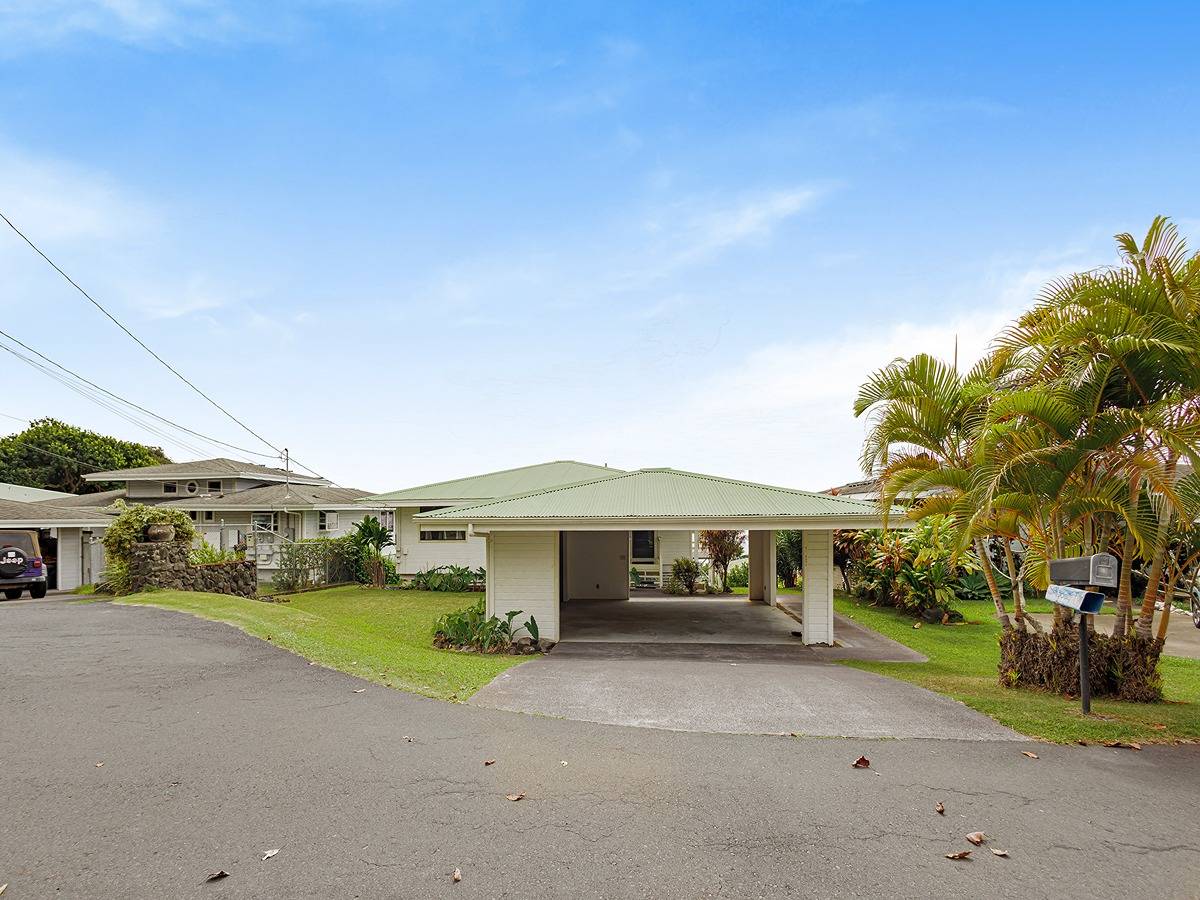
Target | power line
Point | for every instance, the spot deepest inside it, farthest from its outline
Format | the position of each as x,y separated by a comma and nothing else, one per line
134,337
121,399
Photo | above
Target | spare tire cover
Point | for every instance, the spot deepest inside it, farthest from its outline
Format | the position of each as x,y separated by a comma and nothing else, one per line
12,562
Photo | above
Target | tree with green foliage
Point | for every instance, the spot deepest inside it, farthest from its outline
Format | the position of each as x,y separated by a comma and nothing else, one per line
54,455
722,547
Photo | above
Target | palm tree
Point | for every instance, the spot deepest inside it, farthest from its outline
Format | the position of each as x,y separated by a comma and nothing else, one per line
1107,373
373,537
924,421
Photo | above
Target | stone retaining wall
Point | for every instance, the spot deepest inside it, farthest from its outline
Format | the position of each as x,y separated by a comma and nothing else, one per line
154,566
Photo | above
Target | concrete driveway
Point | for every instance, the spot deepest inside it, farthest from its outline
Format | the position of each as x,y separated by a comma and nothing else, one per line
217,747
724,665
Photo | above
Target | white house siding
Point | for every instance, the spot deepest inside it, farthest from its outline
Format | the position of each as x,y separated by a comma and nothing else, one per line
95,548
818,587
414,555
597,565
523,574
70,559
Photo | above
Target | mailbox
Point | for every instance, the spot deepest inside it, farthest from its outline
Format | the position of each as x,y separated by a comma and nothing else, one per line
1073,598
1099,569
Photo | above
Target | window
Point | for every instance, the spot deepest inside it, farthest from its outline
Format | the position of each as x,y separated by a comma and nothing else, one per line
643,546
192,487
214,487
442,535
263,521
327,521
387,518
192,514
170,487
208,515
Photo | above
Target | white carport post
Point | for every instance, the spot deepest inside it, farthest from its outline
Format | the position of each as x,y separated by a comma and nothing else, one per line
818,587
763,579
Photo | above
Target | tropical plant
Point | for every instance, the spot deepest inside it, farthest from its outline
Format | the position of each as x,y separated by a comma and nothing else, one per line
471,627
722,547
685,571
206,554
789,556
447,578
373,537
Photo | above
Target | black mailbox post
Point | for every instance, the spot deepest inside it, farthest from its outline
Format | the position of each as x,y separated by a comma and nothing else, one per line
1099,570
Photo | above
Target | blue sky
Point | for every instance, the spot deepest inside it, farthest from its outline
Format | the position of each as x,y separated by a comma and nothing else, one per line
412,241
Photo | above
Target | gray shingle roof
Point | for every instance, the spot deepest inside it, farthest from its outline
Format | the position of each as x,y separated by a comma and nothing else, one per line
220,467
98,499
276,496
14,513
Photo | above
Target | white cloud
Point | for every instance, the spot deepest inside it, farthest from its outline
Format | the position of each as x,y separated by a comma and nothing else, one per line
26,22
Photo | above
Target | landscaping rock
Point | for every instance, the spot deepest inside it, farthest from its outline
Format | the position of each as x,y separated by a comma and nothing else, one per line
165,566
545,645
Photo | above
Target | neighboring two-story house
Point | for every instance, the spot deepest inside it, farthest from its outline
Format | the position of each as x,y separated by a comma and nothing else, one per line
235,503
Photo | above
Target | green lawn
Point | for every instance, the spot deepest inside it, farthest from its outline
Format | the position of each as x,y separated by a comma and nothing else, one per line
382,636
962,664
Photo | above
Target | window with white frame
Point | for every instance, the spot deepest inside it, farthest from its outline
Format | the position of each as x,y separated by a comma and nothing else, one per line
387,518
192,487
442,534
327,521
214,487
192,515
208,515
263,521
170,487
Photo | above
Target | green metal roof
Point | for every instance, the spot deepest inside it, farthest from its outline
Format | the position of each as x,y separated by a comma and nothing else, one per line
655,494
497,484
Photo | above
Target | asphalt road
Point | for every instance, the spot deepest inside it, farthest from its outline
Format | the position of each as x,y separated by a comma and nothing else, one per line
217,747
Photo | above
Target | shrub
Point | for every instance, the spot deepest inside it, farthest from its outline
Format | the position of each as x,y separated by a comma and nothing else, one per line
739,575
319,561
206,554
472,627
128,529
448,578
685,572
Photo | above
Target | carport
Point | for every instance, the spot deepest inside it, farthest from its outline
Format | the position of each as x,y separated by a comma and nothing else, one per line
551,548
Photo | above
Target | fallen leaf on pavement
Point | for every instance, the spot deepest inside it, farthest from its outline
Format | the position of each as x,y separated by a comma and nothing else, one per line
99,765
457,876
217,876
861,763
515,797
940,809
489,762
1029,753
359,690
996,852
564,762
267,854
1123,745
976,837
961,854
3,887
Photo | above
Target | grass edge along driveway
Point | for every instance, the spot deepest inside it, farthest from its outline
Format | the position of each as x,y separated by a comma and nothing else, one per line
380,636
963,664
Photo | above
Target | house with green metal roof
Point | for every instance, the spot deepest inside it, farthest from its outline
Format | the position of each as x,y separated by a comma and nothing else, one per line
422,545
549,546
